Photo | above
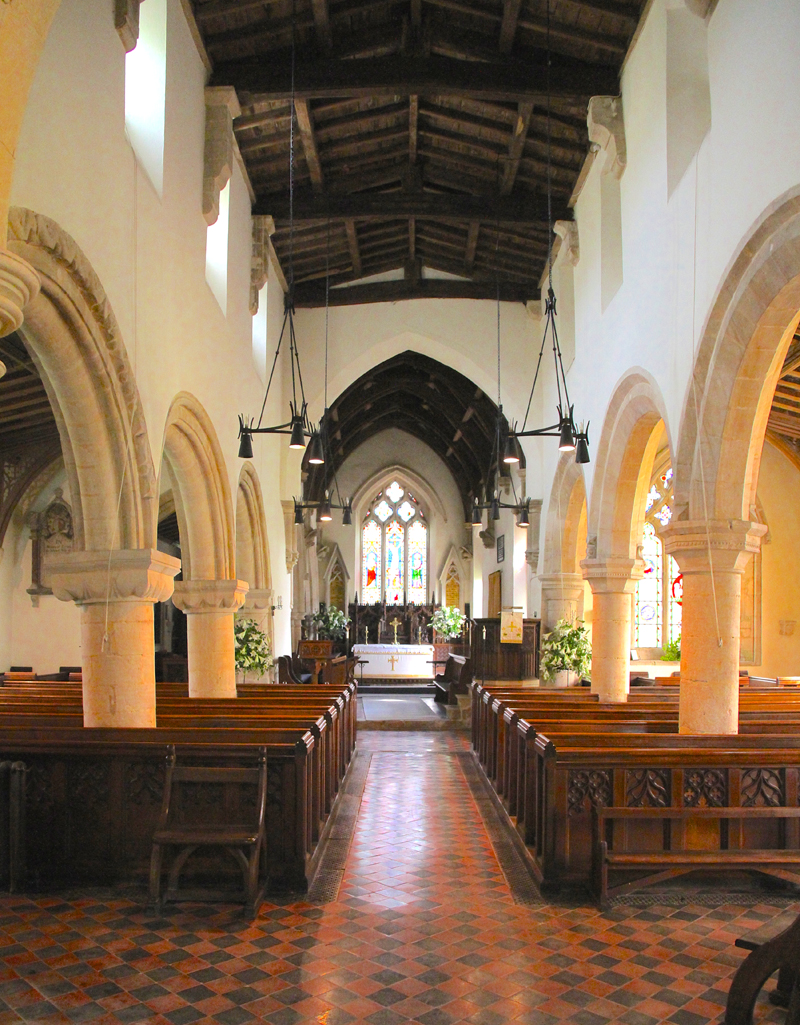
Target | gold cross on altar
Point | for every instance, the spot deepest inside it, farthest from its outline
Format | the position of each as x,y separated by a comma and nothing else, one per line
395,623
393,659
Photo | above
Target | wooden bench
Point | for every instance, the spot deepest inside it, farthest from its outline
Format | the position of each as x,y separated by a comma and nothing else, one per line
188,824
455,679
668,863
774,948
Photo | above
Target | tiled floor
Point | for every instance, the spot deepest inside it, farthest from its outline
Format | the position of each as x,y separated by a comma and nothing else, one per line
425,929
405,707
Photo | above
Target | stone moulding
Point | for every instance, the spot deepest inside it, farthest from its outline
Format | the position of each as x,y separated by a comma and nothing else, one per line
199,596
129,575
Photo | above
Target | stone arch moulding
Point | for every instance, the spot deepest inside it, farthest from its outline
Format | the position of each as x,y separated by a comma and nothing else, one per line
623,466
75,341
567,498
741,351
252,543
364,494
202,492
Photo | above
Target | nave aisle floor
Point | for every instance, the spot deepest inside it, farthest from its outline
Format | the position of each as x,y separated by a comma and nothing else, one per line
425,928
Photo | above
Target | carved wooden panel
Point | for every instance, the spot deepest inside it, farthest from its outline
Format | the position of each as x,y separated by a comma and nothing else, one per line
89,785
705,788
587,788
145,783
762,788
648,788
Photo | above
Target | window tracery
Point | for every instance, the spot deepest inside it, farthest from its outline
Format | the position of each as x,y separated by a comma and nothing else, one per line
394,549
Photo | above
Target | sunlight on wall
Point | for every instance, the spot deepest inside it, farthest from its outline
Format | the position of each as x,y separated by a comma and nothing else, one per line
217,252
260,334
145,91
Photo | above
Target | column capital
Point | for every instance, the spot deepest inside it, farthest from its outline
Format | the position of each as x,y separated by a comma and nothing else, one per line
561,581
729,542
19,283
128,575
612,575
258,598
206,596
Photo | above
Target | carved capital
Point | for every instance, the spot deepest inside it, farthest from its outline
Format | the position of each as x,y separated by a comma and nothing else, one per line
258,598
130,575
19,283
126,22
612,575
568,586
222,106
204,596
263,230
567,231
607,131
725,544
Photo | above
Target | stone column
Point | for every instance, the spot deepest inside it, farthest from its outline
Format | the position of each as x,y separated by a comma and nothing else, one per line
612,582
19,284
709,697
562,598
116,591
210,606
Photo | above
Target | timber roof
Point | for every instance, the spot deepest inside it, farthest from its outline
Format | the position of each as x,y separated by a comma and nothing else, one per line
420,131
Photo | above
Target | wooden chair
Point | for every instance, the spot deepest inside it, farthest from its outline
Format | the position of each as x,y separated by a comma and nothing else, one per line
243,840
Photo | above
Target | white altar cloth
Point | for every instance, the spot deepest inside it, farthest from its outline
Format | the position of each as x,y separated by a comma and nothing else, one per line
396,661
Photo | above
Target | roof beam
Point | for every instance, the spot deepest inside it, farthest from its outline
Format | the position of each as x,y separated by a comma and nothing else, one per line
322,24
305,124
472,245
352,241
515,147
502,81
413,121
508,27
380,206
309,297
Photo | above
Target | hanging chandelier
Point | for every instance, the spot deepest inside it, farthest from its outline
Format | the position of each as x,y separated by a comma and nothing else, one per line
570,439
324,507
298,426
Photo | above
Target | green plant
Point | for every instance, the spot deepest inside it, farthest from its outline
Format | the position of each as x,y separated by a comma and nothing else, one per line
252,648
448,621
331,623
672,651
566,647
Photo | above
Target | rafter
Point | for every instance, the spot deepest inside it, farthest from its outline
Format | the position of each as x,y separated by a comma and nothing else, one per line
503,81
515,147
322,24
352,241
472,245
413,121
508,27
306,126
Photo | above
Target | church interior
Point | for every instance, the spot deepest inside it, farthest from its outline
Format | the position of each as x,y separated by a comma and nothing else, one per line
399,497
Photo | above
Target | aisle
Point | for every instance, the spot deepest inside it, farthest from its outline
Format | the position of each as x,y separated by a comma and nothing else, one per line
425,928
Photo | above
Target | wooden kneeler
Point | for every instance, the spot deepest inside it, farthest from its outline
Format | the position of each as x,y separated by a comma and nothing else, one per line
245,841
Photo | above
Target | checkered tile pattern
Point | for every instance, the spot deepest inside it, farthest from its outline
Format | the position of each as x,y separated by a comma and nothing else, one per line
425,929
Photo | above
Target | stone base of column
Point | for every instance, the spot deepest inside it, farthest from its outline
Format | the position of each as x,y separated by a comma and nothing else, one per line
210,606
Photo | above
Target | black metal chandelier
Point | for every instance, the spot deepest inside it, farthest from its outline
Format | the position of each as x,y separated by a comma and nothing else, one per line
298,426
570,439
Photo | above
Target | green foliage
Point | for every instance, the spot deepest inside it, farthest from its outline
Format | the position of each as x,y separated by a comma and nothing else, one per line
672,651
252,650
331,623
566,647
449,622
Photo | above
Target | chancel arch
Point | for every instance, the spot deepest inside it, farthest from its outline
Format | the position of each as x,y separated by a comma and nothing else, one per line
209,593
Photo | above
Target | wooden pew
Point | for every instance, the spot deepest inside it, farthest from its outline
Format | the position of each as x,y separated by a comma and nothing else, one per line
455,679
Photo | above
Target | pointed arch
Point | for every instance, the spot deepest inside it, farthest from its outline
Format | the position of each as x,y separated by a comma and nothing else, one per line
252,543
632,433
202,494
76,343
745,339
565,511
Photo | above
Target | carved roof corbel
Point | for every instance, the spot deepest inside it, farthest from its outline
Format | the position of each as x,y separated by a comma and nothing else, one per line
263,230
126,22
222,106
607,131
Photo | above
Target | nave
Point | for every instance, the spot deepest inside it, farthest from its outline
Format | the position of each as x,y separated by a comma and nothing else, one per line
422,925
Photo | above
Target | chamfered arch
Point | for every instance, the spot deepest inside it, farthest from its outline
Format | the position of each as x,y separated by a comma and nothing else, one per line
633,431
744,341
203,502
76,343
366,492
567,503
252,542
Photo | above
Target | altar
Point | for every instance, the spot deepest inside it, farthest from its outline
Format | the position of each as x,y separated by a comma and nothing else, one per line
396,661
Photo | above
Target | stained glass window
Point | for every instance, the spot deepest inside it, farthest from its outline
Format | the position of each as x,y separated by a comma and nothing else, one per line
674,599
395,564
371,538
648,599
394,549
417,535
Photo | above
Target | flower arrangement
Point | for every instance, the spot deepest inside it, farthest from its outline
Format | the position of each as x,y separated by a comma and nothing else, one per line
448,621
252,648
672,651
331,623
566,647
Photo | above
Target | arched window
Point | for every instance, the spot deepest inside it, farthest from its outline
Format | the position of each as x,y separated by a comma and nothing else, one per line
659,594
394,549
